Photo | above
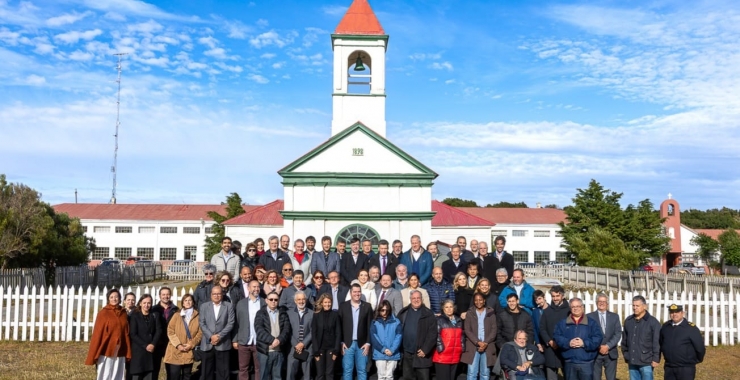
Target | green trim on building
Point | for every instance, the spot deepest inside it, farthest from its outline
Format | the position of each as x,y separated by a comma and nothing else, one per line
357,179
287,171
357,37
328,215
370,95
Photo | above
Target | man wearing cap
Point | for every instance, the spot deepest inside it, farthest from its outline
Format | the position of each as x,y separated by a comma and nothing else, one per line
681,345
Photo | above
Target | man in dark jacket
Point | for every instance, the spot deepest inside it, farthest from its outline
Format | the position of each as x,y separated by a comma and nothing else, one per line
641,341
272,326
512,319
558,311
454,265
682,346
356,317
612,329
384,261
498,259
202,292
353,262
165,309
419,338
274,258
439,290
579,338
240,290
243,341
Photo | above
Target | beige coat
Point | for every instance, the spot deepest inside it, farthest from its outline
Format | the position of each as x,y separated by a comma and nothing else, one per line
177,335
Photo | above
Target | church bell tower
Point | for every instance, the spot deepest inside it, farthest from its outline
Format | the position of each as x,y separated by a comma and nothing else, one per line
358,93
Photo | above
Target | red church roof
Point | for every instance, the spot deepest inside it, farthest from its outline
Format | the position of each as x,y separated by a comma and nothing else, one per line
267,215
448,216
359,20
141,211
517,215
712,233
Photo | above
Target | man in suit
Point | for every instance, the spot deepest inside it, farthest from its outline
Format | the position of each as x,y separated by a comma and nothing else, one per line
418,260
338,291
240,290
498,259
216,320
300,339
326,261
387,292
356,317
245,337
353,262
273,333
611,327
454,265
387,263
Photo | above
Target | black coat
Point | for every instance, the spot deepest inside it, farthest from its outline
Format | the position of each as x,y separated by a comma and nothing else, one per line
449,270
142,334
390,268
509,324
550,318
350,269
326,329
202,293
164,322
491,264
262,328
363,326
426,335
236,293
463,299
250,262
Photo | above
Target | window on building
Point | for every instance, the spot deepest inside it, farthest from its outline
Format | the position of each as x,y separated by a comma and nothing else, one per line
124,229
145,253
167,230
519,233
520,256
209,230
84,229
191,230
101,229
168,253
541,233
540,256
359,231
100,253
123,253
562,257
190,252
146,230
495,233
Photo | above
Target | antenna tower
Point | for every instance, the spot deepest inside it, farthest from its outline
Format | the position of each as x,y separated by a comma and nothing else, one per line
114,168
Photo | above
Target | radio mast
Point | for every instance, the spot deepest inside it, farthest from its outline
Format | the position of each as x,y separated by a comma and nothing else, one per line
114,168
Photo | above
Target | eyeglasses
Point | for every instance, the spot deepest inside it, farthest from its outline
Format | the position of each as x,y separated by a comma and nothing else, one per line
318,277
225,280
272,299
287,270
576,306
208,273
251,250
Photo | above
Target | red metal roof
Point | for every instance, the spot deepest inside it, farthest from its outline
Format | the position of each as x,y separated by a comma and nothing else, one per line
359,20
141,211
267,215
517,215
448,216
712,233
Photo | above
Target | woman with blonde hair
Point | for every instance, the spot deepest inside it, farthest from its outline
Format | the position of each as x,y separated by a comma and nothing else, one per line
326,333
184,335
463,294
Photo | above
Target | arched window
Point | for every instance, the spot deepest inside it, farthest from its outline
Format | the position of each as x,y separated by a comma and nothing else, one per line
359,231
671,210
359,74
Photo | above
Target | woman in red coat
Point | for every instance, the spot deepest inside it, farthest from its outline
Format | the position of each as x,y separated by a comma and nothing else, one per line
110,346
449,342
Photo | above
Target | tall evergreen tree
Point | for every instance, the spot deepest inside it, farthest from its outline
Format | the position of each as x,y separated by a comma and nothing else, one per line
234,208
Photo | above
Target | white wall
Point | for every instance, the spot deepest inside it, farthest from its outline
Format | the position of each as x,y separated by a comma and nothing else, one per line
387,229
358,199
349,109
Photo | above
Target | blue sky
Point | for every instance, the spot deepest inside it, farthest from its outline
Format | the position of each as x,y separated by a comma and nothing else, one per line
506,100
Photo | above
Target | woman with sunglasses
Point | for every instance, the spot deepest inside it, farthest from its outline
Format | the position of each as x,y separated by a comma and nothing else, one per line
225,280
316,287
202,293
385,337
184,335
145,331
272,284
250,257
450,342
326,333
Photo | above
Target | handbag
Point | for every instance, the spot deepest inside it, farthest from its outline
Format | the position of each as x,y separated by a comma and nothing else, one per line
197,353
303,356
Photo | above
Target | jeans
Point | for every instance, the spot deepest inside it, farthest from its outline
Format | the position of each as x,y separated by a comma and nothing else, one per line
641,372
354,359
479,367
270,365
579,371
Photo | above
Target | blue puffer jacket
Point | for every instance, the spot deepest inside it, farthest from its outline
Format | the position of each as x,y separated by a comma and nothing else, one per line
386,334
588,330
426,263
438,293
526,297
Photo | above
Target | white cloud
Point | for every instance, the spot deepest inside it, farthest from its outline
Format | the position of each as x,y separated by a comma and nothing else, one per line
35,80
267,56
278,65
218,53
450,81
272,38
80,56
73,36
67,18
258,78
133,8
442,66
236,29
148,27
425,56
208,41
262,23
234,69
11,38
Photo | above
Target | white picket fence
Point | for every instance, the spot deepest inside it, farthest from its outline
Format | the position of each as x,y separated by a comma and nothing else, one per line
66,314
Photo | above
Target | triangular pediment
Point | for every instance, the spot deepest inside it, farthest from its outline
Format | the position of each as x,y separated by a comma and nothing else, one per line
358,152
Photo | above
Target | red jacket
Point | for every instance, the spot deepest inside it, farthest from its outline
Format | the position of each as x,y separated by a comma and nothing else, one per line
449,342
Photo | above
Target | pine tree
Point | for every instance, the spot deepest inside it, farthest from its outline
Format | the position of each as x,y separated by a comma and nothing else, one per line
234,208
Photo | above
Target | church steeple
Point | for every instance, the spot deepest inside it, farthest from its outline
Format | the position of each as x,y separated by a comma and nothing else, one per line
359,43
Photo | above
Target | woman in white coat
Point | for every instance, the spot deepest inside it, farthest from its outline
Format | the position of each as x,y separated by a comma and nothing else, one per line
368,288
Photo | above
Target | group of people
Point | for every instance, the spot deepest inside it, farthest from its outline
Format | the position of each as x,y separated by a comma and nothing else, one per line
326,314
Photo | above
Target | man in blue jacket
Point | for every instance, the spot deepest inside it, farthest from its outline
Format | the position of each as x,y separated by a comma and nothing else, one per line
418,260
578,338
522,289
